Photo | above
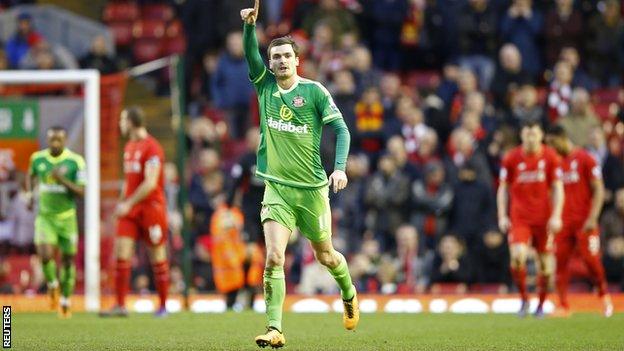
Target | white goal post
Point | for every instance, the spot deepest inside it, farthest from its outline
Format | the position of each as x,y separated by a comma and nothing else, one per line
90,79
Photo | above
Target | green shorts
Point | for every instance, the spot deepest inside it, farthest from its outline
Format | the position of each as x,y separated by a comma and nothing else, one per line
306,209
58,231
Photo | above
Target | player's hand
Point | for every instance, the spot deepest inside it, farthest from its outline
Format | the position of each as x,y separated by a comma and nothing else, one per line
250,16
554,225
338,180
504,223
590,224
122,209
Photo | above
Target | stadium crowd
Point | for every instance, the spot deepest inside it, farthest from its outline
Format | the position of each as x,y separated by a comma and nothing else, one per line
433,93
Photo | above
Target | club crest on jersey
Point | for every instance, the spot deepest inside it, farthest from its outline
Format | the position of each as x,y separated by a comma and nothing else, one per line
286,114
298,101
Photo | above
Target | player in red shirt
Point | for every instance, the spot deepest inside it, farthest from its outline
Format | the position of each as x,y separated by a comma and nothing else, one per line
531,176
141,212
584,189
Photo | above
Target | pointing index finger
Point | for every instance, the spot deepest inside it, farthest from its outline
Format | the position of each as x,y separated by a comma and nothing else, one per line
256,7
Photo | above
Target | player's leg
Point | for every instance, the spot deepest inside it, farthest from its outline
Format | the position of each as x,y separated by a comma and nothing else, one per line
545,264
160,268
589,246
127,232
313,215
68,245
518,252
155,233
46,241
276,237
564,248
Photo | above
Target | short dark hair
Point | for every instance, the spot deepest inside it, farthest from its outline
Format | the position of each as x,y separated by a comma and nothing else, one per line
556,130
57,128
136,116
283,41
530,123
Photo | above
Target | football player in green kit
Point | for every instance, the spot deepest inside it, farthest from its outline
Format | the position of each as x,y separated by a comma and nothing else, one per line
293,111
60,176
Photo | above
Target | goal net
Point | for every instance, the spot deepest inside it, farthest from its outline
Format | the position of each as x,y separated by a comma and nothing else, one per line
87,105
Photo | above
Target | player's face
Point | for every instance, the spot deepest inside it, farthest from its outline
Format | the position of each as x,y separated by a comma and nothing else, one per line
555,142
283,61
532,136
56,140
124,124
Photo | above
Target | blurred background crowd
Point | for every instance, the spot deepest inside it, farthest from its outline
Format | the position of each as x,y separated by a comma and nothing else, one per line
433,93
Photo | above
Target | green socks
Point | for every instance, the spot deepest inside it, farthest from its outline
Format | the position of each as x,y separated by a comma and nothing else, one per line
49,271
343,278
274,293
68,280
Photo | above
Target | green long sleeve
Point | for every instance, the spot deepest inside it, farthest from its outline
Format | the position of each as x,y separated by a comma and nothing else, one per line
343,139
252,52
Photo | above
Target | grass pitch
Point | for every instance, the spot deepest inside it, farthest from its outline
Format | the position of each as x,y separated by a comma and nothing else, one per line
381,331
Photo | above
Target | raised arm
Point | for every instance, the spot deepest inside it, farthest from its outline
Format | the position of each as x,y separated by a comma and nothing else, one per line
250,42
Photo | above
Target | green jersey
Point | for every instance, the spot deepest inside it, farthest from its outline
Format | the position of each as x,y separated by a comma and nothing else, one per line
291,122
54,198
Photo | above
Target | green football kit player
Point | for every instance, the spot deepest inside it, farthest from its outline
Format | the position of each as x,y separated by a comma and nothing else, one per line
60,177
293,111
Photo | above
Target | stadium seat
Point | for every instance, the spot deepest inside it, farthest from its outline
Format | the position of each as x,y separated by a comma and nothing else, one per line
448,288
175,45
146,49
174,29
122,32
161,12
423,79
604,96
120,11
605,110
148,29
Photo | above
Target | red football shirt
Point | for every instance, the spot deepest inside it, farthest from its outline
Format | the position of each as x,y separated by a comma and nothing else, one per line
529,178
579,169
137,154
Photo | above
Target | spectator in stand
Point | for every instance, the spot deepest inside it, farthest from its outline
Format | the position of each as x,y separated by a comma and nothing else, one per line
334,14
413,128
613,261
369,123
612,222
45,55
467,83
475,102
412,270
230,86
203,133
581,119
99,57
350,203
396,149
206,186
462,149
364,73
603,44
524,107
426,152
432,199
387,195
509,76
580,78
477,25
387,17
473,206
563,27
471,122
448,86
522,26
492,260
560,92
25,38
390,87
343,90
611,164
451,264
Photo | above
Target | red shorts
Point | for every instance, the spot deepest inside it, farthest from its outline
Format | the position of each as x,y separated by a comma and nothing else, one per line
147,222
572,236
535,235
